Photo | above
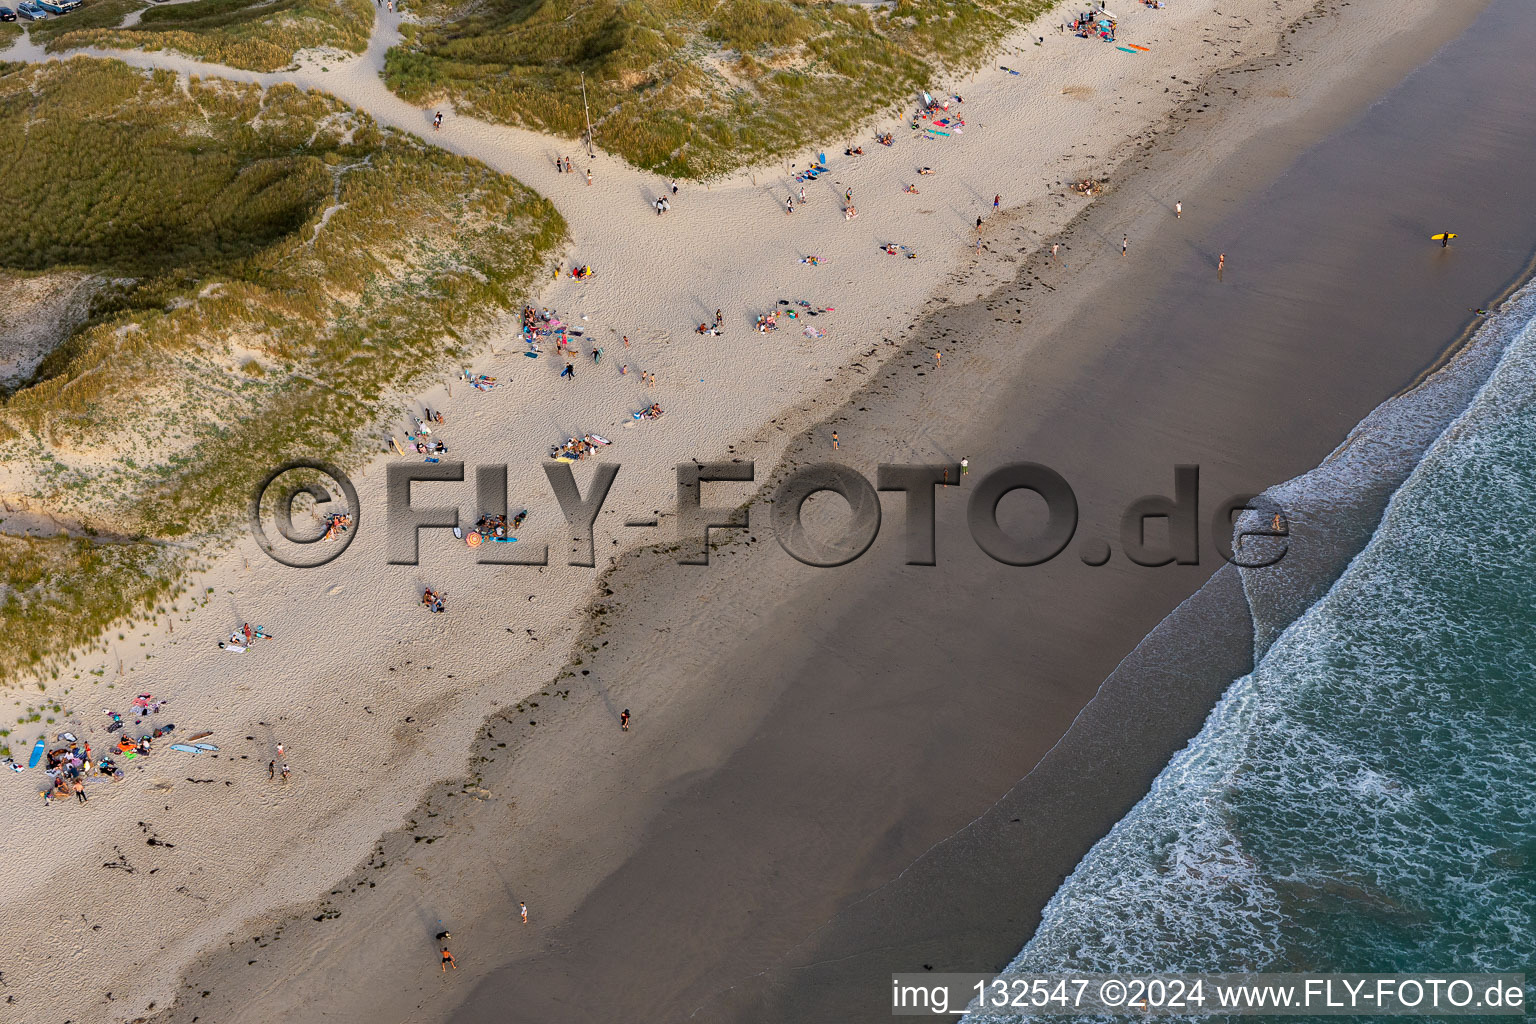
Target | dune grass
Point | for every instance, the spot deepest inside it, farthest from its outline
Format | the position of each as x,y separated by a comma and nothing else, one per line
97,14
260,35
691,87
59,593
278,265
10,31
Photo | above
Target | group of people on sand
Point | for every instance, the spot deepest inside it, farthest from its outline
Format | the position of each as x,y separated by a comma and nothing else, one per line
68,766
432,600
241,639
578,447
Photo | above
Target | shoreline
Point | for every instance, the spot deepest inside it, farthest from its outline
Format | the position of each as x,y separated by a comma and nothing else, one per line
586,850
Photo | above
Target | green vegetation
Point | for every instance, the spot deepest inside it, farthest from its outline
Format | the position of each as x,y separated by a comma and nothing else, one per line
95,14
262,35
10,31
269,266
692,87
62,592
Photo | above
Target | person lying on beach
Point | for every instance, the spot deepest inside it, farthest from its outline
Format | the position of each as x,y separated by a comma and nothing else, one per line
925,170
910,189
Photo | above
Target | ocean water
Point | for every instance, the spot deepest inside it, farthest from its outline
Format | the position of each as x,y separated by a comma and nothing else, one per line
1365,799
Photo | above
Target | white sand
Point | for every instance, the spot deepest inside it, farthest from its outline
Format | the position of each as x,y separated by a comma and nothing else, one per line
374,698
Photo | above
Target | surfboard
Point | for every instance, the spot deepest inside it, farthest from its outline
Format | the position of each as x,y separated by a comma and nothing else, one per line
205,746
37,752
396,443
600,439
1143,49
1442,237
199,735
1125,49
184,748
505,540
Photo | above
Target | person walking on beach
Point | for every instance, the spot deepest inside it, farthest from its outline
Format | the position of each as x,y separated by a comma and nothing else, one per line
285,771
1054,247
834,441
448,961
674,186
271,770
1125,243
1221,264
523,907
996,201
569,371
437,122
789,205
1178,210
624,720
589,176
597,357
79,791
965,465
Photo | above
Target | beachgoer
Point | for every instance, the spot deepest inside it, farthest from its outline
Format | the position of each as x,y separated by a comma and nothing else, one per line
996,201
626,340
938,358
1221,264
597,357
569,371
1125,243
965,465
437,122
568,166
834,441
1054,247
1178,210
271,770
589,175
624,720
523,907
789,204
448,961
674,186
284,770
80,788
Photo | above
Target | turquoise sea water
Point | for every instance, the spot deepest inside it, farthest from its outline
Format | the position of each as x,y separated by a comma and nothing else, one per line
1365,800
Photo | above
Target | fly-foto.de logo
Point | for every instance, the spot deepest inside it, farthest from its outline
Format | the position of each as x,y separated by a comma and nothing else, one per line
418,497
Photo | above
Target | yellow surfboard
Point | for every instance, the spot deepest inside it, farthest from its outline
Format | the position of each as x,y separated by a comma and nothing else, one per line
1444,236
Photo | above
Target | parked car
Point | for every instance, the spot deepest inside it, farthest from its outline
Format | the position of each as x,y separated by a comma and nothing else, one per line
6,14
29,10
57,6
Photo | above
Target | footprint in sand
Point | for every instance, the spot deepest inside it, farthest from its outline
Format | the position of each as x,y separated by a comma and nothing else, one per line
338,588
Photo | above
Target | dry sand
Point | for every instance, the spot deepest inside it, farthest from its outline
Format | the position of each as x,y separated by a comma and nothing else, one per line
375,700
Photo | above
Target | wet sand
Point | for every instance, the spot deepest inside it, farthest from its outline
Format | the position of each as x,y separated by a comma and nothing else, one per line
786,823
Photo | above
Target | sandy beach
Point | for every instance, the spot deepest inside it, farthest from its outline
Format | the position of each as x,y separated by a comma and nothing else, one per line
802,738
